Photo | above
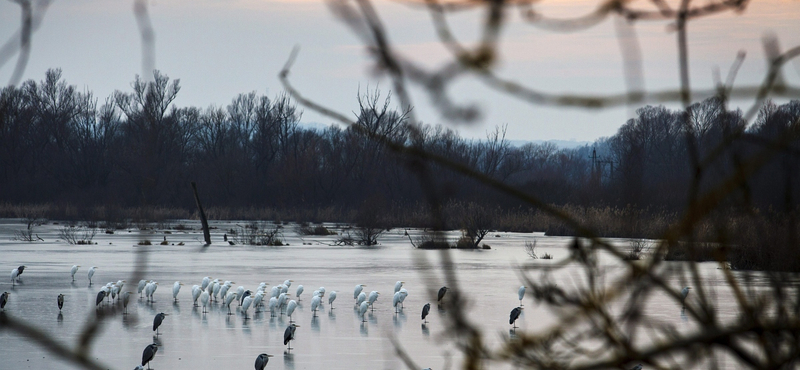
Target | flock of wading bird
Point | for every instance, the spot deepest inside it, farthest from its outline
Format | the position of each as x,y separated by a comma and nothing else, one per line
213,290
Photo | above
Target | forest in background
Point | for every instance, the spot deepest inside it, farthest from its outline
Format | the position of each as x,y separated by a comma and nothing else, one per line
251,159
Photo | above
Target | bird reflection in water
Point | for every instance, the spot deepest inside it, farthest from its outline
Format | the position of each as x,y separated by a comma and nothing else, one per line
372,318
512,333
315,323
398,319
425,331
683,315
176,307
331,315
364,330
229,322
288,360
60,319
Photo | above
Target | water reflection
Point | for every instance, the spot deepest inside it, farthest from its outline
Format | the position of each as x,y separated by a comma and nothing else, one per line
372,318
60,319
315,324
332,316
683,315
425,331
364,331
288,360
398,319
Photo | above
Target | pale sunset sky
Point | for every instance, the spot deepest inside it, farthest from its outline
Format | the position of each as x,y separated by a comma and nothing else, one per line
219,48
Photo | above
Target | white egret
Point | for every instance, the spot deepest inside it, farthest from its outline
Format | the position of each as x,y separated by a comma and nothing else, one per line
684,293
91,273
142,284
176,288
273,303
206,281
283,288
157,321
315,294
299,291
14,275
288,335
240,294
73,270
282,300
362,310
3,300
246,304
196,291
150,290
223,290
442,291
216,290
426,309
315,304
126,297
373,296
512,319
261,361
121,283
361,298
321,292
396,300
398,285
229,297
288,283
521,293
149,353
275,292
331,298
357,291
60,302
290,309
403,294
115,290
204,297
258,300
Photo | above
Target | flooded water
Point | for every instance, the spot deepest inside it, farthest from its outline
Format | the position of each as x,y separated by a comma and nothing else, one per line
335,339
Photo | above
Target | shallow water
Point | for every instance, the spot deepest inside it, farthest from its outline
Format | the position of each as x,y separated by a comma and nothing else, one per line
335,339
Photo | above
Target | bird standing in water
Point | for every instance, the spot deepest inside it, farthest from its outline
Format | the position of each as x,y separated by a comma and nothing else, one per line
157,321
426,309
261,361
512,319
521,293
288,335
74,270
442,292
148,354
3,300
684,293
60,301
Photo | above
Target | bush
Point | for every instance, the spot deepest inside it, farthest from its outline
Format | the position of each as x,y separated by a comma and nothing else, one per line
318,230
77,235
145,242
530,249
258,233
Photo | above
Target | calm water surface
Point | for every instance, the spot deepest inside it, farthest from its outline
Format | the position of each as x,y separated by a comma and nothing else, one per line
335,339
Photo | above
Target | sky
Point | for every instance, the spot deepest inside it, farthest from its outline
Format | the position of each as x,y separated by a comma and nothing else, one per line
220,48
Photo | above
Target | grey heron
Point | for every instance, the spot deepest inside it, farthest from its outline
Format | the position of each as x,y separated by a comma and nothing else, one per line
684,293
60,302
288,334
512,319
157,321
149,353
3,300
14,274
426,309
261,361
100,296
441,294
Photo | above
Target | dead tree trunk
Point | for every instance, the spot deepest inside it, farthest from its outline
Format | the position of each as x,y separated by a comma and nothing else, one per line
203,220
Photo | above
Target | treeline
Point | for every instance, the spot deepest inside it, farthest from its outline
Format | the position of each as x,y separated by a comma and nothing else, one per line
137,149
